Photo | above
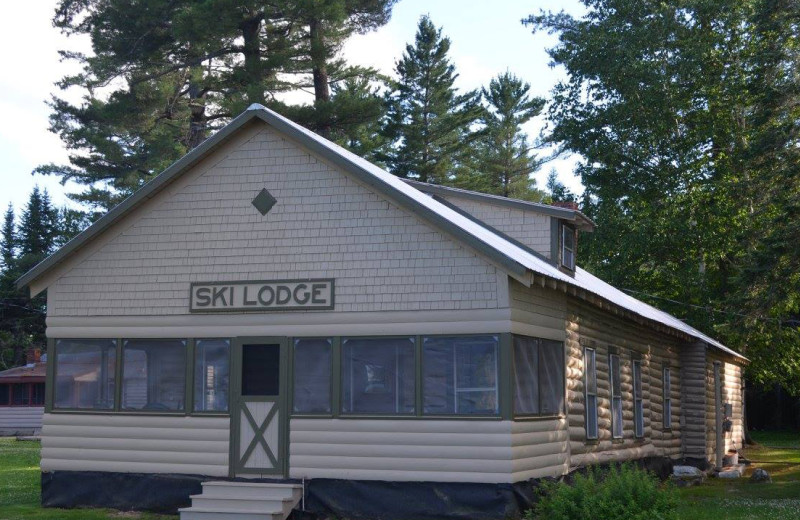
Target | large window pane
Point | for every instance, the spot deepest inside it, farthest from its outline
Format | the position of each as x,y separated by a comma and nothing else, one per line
5,395
154,375
526,375
667,411
551,373
211,375
378,375
85,376
312,375
638,402
590,367
459,375
37,396
20,394
616,396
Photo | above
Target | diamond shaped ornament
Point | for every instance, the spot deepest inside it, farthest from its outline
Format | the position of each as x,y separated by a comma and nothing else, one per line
264,201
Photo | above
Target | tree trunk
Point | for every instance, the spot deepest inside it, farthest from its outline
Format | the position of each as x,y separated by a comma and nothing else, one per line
319,70
253,88
197,109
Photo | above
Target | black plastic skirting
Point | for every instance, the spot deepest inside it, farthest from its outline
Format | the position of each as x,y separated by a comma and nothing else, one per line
324,498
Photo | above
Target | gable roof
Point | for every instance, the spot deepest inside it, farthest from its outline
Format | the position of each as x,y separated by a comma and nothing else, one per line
519,262
580,220
32,373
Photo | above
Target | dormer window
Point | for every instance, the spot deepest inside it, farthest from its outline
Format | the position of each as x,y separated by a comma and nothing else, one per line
568,247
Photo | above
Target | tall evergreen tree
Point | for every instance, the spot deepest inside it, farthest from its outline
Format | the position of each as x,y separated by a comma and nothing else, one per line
326,27
165,74
429,124
38,229
685,113
22,323
556,189
8,240
504,156
360,134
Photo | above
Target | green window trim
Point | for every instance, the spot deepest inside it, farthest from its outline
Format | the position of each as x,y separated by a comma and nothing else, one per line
666,399
638,399
504,383
190,378
518,416
117,409
592,435
615,380
334,349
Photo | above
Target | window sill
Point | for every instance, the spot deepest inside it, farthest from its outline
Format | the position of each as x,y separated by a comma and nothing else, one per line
148,413
385,417
523,418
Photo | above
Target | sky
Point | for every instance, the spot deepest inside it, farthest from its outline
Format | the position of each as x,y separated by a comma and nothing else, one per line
485,42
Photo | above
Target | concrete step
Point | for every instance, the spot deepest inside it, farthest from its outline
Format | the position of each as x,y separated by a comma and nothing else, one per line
283,506
252,490
215,513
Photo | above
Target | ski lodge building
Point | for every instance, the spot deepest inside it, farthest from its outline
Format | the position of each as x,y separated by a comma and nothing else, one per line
274,316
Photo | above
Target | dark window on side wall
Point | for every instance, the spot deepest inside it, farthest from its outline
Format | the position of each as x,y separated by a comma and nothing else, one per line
538,376
37,394
590,381
20,395
5,395
154,375
85,373
459,375
638,401
616,396
568,247
378,375
312,376
667,404
211,375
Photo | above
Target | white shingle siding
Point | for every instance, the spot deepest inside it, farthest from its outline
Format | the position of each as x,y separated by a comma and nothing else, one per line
20,420
528,227
324,225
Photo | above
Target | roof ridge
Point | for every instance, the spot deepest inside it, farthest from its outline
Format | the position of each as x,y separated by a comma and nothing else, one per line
514,260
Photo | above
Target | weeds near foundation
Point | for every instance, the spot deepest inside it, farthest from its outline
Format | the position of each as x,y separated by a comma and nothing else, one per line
616,493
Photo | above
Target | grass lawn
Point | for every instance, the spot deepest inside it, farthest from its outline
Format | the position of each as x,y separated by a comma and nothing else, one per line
717,499
19,489
779,454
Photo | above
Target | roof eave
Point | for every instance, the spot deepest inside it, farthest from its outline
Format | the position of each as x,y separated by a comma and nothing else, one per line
583,222
515,269
126,206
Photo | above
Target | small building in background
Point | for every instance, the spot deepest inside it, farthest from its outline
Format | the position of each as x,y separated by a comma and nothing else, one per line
22,396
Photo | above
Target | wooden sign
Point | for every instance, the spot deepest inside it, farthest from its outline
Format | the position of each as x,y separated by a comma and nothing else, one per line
262,296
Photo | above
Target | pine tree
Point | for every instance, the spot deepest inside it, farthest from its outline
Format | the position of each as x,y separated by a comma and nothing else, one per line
22,319
360,133
163,75
429,122
558,192
8,240
326,26
38,229
503,155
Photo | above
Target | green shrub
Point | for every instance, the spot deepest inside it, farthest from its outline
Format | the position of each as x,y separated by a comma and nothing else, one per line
617,493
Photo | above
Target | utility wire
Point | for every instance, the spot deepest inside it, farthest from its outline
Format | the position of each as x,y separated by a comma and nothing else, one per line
710,309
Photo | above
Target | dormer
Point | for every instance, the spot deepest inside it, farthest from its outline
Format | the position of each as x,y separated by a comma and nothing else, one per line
549,231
